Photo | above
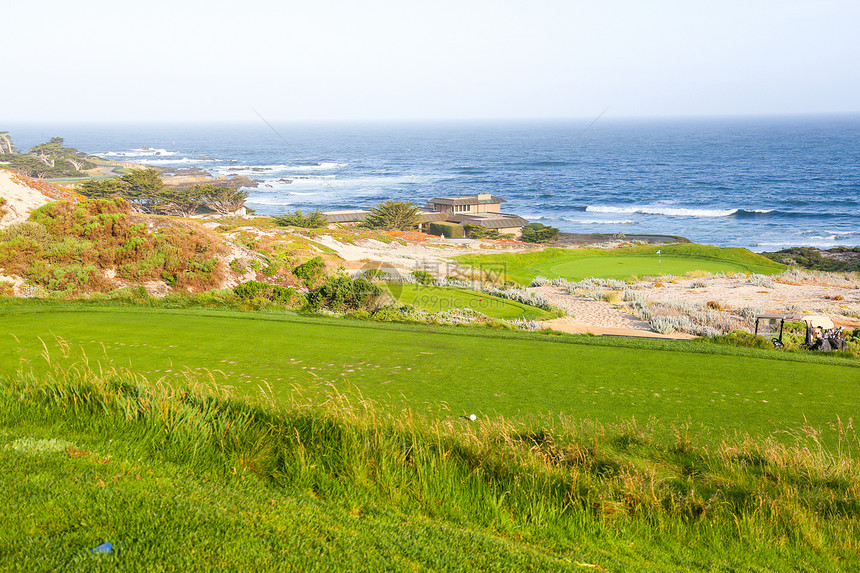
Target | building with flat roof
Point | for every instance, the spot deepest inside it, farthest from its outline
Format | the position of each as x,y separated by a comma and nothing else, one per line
480,203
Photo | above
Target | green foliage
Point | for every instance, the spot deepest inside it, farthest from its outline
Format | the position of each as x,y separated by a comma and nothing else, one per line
742,338
841,259
222,200
102,188
480,232
49,159
311,271
374,274
313,220
392,216
179,201
423,277
279,295
539,233
342,293
446,229
144,189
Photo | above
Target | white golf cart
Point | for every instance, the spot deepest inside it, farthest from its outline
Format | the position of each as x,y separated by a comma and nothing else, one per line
821,334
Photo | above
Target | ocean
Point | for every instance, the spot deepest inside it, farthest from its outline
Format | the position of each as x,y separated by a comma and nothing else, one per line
759,183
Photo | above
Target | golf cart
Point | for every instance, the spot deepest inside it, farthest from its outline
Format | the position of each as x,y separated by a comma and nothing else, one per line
820,332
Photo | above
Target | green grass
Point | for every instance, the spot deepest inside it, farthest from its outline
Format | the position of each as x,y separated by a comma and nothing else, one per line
624,263
178,477
438,299
448,371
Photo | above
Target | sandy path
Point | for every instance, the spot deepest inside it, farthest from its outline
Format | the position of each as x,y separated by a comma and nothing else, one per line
838,300
595,316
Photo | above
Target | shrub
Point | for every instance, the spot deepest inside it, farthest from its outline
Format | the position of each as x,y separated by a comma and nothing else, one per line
342,293
669,324
446,229
423,277
311,271
313,220
223,200
479,232
374,274
761,280
742,338
272,293
69,246
539,233
392,216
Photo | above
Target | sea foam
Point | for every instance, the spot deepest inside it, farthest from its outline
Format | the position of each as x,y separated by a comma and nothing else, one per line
667,211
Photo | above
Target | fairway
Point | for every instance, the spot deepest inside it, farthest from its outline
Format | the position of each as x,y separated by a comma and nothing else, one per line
622,263
438,299
444,371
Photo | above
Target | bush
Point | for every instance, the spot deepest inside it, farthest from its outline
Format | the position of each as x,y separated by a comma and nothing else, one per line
273,293
69,246
392,216
480,232
342,293
374,274
313,220
743,338
539,233
423,277
310,271
445,229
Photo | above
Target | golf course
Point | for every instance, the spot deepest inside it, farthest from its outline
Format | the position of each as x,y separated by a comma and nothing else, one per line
446,371
201,440
653,260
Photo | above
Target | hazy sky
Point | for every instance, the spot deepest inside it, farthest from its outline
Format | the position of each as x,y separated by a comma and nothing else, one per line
399,59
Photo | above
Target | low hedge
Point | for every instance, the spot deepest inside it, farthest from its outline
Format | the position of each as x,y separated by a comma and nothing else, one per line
446,229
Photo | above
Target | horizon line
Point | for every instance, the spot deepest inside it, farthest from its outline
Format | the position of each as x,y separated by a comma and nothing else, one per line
437,120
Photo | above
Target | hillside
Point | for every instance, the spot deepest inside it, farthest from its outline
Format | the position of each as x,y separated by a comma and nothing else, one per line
21,195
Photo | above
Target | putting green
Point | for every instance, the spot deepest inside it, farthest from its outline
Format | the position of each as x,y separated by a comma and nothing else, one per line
625,266
621,263
438,299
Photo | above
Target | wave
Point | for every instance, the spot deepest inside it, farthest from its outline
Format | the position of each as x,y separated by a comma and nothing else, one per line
141,152
314,167
828,235
599,221
182,160
677,212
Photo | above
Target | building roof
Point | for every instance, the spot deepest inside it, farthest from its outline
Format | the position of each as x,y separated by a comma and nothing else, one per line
346,216
468,200
489,220
359,215
432,216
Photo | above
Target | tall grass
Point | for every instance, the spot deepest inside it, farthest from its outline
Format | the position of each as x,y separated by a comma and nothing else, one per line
550,476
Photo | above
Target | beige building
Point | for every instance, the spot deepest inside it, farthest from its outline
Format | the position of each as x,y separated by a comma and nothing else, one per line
480,203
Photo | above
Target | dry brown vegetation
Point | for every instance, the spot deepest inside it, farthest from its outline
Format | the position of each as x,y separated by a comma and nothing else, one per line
78,247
